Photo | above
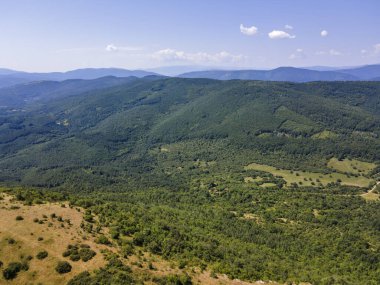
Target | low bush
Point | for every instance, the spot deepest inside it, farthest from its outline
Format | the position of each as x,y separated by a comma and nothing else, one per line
63,267
11,271
42,254
86,254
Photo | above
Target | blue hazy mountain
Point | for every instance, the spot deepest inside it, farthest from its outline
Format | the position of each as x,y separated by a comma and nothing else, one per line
279,74
22,95
366,72
9,77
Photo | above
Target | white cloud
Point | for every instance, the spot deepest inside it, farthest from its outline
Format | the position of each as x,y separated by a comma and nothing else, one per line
288,27
299,53
363,51
249,31
114,48
324,33
197,57
280,35
111,47
334,52
377,48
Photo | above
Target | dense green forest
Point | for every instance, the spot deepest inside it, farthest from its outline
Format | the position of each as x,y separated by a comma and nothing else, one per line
164,162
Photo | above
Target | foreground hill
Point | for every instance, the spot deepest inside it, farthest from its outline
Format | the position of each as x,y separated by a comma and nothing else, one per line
257,180
40,235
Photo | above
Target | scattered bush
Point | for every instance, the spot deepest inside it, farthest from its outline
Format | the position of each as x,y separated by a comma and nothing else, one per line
63,267
81,279
42,254
102,239
75,252
86,254
19,218
172,279
11,241
74,257
11,271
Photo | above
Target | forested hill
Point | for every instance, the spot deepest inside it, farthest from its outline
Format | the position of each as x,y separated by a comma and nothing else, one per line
115,128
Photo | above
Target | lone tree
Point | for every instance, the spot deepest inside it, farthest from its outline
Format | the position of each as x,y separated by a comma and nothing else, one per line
63,267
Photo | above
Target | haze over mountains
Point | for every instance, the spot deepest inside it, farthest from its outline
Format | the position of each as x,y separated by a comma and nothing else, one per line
10,77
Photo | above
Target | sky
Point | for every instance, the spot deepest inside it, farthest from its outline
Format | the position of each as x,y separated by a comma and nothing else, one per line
55,35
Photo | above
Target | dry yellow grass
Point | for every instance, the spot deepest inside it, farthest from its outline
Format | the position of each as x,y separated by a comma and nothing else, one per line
252,180
308,178
55,240
351,166
372,194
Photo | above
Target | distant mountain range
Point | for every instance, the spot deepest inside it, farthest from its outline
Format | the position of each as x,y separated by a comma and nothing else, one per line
369,72
11,77
318,73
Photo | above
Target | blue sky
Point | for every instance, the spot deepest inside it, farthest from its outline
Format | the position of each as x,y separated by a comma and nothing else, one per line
52,35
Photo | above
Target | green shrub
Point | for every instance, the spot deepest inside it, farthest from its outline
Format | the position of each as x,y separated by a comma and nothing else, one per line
74,257
42,254
19,218
81,279
102,239
11,271
86,254
63,267
172,279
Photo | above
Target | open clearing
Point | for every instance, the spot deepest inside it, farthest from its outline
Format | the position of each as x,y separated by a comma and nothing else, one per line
325,135
27,235
306,178
373,194
351,166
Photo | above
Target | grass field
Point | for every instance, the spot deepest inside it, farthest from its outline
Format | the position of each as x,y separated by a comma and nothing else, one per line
351,166
306,178
55,238
325,135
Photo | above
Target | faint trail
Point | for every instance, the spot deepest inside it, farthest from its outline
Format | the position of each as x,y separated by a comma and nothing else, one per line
374,187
